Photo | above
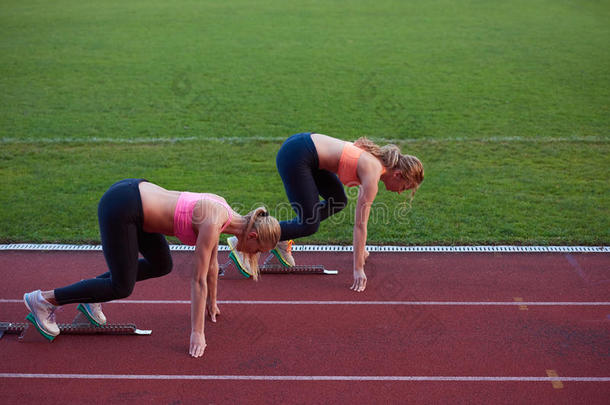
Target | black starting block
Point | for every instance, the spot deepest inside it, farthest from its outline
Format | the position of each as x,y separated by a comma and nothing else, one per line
28,332
273,266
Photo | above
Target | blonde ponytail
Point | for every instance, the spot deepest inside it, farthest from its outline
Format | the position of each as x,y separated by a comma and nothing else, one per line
388,154
391,158
268,230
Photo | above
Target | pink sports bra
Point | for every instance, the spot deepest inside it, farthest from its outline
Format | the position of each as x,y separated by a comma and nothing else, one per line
183,215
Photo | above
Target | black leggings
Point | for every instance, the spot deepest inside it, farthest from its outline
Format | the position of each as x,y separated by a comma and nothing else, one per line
298,165
120,218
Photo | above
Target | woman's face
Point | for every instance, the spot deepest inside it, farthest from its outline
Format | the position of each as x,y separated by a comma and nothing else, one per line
397,183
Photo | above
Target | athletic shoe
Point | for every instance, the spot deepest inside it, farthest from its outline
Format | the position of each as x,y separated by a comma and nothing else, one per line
283,252
239,258
42,314
94,313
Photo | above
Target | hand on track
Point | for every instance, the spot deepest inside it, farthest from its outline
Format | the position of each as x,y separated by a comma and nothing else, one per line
197,344
213,311
359,281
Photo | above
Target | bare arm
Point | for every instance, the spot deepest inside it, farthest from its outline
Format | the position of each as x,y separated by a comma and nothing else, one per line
212,285
206,241
366,196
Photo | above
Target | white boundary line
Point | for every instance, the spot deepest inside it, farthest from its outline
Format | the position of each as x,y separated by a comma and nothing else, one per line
337,248
298,377
389,303
251,139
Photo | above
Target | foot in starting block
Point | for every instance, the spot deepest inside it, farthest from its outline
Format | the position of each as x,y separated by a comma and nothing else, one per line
29,332
32,333
81,319
272,266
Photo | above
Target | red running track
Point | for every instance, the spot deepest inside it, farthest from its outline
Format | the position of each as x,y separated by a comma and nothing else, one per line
430,328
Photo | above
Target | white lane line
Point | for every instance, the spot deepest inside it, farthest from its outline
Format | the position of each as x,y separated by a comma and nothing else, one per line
340,248
408,303
416,303
257,139
296,377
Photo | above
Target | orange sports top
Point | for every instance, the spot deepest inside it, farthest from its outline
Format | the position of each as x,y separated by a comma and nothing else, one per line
348,165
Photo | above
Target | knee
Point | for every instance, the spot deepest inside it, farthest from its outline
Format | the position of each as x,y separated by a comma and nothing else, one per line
157,267
160,267
165,266
121,291
309,228
336,204
339,203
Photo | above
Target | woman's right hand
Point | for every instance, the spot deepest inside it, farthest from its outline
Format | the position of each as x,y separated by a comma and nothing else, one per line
197,344
359,281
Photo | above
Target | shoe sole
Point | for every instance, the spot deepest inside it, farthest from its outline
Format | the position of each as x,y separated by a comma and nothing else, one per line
280,258
32,318
44,334
83,309
239,267
231,246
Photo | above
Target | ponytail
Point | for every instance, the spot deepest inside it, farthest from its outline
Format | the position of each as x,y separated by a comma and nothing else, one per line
252,216
388,154
391,158
267,229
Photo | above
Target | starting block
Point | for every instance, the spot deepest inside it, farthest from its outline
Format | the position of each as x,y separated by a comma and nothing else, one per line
273,266
28,332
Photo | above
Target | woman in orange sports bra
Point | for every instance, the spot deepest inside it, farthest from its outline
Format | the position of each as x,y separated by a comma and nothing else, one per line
313,165
134,215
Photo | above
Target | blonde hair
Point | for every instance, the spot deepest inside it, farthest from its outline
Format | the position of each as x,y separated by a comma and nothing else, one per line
268,230
391,158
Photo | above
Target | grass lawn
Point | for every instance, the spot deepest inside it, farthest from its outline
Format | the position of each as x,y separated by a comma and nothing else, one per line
506,103
487,193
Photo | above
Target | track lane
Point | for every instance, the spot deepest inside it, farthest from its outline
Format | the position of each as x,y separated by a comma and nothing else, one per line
392,277
350,340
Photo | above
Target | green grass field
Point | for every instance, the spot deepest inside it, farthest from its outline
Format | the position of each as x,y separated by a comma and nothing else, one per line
506,104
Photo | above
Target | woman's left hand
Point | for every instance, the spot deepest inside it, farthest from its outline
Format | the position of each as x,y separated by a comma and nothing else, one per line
213,311
197,344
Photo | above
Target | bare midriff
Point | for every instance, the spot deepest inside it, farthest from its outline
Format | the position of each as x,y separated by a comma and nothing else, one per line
158,205
329,151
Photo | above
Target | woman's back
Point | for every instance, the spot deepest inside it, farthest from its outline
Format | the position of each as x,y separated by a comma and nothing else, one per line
329,151
158,205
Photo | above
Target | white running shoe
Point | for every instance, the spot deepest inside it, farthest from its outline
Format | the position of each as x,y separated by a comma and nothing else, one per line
242,264
42,314
283,252
94,313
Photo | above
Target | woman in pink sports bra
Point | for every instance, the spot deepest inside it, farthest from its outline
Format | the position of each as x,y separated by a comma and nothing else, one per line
314,165
134,215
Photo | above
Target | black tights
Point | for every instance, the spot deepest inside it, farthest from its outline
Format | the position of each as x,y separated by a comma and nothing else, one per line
298,166
120,218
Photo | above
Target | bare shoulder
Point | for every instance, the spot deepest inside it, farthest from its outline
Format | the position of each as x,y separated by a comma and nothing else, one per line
216,197
369,168
208,213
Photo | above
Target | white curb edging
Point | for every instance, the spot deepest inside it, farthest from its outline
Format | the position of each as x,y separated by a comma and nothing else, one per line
338,248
